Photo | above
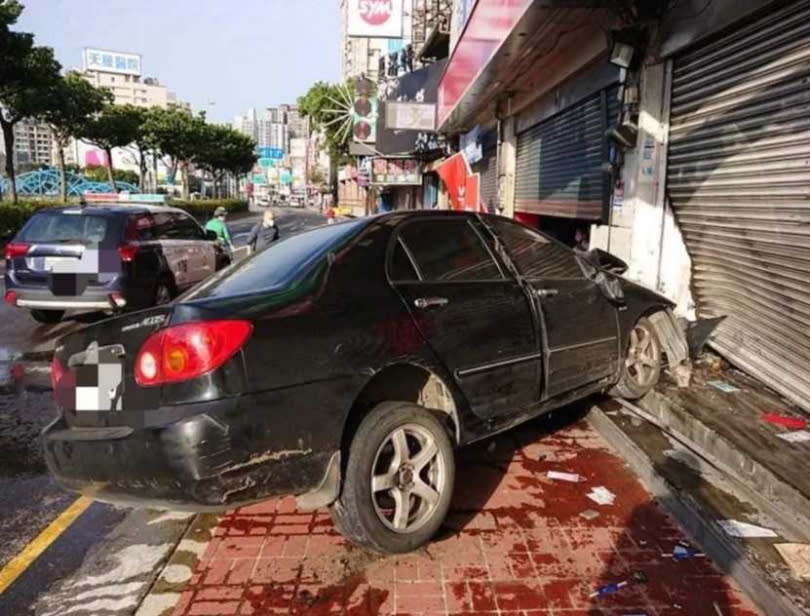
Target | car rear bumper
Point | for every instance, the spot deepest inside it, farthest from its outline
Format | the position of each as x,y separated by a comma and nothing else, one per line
200,463
44,299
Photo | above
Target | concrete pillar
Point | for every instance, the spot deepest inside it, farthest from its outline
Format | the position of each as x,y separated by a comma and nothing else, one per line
506,171
643,229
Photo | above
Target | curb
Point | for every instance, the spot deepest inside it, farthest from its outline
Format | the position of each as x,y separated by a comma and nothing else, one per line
727,553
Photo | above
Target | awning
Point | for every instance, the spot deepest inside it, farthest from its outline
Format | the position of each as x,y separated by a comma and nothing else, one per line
522,47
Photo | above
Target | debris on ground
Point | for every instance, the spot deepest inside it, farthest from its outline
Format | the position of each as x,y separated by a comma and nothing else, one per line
797,556
602,496
589,514
798,436
726,388
571,477
683,552
637,577
735,528
786,421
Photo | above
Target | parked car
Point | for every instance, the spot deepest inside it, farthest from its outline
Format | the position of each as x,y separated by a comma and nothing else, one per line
343,366
106,257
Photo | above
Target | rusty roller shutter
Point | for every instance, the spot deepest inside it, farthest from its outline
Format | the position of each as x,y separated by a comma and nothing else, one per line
739,182
487,168
559,161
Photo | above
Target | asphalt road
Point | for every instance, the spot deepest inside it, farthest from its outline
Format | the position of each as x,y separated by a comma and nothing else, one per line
30,501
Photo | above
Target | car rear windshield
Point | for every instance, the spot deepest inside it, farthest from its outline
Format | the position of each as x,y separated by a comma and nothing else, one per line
279,263
62,227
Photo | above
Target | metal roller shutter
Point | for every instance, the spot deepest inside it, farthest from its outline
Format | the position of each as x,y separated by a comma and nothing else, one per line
559,161
739,182
487,167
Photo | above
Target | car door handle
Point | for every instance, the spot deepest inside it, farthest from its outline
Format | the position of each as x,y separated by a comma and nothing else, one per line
546,292
429,302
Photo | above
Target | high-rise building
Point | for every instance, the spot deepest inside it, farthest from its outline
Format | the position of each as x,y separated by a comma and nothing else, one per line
33,143
274,128
121,74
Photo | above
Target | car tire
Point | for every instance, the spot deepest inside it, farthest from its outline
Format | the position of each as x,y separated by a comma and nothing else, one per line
641,366
49,317
404,446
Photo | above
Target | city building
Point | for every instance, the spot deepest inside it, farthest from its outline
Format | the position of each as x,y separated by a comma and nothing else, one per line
361,56
33,143
121,74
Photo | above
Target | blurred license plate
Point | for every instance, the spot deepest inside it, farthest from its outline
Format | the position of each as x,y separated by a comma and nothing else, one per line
47,264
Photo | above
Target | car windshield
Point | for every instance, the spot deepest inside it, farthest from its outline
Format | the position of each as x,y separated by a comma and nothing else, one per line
278,263
63,227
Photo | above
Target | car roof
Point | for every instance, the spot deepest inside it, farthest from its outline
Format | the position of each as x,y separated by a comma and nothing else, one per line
112,208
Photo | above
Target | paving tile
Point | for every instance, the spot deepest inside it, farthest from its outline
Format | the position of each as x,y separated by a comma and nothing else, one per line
514,544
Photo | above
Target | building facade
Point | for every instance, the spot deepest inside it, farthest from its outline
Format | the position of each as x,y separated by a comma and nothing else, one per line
33,143
678,144
120,73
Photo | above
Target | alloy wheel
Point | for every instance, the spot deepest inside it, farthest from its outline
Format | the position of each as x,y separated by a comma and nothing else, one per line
407,478
643,356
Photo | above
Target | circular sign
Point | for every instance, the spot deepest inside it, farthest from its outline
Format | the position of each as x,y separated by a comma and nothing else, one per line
376,12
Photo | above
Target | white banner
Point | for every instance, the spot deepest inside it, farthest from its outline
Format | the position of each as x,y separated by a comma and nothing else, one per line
375,18
410,116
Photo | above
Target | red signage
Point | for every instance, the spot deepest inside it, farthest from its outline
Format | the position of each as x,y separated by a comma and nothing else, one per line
463,186
488,26
376,12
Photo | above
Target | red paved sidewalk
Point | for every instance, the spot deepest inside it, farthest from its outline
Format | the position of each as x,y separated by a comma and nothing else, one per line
515,543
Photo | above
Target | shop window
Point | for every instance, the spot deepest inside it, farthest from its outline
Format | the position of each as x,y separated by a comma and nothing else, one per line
534,255
449,250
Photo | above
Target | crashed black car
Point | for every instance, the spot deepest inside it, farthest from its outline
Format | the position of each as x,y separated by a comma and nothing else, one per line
344,365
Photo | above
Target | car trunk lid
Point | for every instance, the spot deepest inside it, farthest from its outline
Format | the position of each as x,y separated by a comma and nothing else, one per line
97,386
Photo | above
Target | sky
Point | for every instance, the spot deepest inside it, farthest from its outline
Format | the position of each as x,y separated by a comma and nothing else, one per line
235,54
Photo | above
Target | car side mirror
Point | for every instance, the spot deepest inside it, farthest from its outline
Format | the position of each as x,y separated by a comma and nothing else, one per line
606,261
211,235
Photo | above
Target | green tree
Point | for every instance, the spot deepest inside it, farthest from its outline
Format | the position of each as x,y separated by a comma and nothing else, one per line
115,126
328,106
178,135
70,102
223,150
25,71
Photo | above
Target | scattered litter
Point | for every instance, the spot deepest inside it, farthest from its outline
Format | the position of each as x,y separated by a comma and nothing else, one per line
717,609
735,528
682,552
572,477
612,413
797,556
783,420
726,388
637,577
799,436
602,496
589,514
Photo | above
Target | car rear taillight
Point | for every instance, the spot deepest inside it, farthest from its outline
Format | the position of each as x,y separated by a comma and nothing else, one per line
16,249
128,252
10,298
57,372
186,351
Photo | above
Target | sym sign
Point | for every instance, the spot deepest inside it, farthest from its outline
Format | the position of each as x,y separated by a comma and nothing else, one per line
375,18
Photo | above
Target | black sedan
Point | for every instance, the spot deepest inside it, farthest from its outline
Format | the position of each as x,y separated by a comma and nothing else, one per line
344,365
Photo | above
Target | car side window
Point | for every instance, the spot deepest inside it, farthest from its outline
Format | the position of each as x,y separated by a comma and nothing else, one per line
164,227
449,250
534,255
401,268
186,228
142,226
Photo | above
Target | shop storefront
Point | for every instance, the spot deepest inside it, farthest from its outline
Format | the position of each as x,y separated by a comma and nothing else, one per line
738,179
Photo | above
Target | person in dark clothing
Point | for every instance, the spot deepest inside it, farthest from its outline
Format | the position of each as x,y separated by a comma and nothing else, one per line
264,232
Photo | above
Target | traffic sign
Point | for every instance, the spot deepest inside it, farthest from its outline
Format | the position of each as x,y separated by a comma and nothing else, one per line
259,178
266,162
266,152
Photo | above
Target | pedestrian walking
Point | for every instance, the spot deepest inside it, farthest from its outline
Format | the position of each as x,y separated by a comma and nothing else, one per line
218,226
330,215
264,232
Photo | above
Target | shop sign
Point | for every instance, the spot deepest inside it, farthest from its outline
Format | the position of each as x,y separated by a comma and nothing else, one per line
470,144
410,116
395,172
375,18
